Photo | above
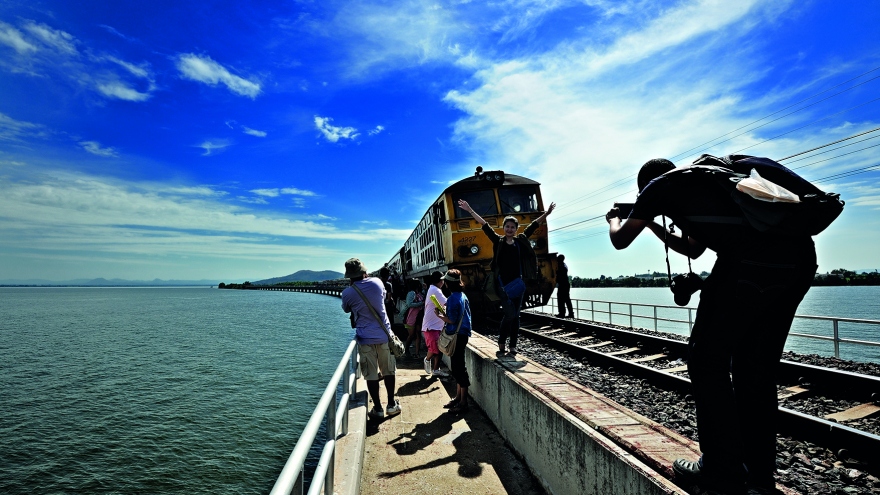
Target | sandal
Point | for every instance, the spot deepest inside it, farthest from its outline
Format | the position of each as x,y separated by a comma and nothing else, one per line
451,404
459,408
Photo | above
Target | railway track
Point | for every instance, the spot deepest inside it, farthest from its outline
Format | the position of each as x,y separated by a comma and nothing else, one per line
661,361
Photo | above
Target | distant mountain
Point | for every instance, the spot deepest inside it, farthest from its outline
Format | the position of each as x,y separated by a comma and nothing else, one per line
116,282
302,276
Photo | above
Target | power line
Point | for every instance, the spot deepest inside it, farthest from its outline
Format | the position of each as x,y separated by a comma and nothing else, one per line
838,156
829,144
807,125
783,109
857,171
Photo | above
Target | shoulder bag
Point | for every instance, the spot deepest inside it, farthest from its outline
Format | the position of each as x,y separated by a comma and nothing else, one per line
446,343
516,287
394,344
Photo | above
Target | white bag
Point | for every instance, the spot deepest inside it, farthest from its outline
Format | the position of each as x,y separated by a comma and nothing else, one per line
764,190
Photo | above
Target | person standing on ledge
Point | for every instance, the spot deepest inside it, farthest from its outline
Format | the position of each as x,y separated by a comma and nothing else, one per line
563,288
513,258
746,309
372,339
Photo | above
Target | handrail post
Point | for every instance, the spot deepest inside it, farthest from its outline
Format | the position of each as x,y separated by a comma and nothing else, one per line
610,321
655,318
836,339
630,315
592,310
690,321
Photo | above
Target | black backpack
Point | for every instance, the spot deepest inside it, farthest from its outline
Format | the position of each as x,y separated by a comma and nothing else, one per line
813,214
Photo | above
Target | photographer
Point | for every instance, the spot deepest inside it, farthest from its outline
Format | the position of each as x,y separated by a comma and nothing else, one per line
745,312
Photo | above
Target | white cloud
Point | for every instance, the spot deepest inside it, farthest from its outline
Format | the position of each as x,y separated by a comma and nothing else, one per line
253,132
333,133
377,130
95,148
141,71
16,130
14,38
212,147
297,192
204,69
59,40
117,89
269,193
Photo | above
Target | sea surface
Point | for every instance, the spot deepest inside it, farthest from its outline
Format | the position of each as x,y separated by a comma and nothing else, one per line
158,390
198,390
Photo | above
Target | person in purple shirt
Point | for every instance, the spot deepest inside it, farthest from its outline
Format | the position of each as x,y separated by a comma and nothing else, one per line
371,337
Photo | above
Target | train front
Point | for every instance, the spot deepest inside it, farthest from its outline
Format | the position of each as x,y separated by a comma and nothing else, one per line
496,195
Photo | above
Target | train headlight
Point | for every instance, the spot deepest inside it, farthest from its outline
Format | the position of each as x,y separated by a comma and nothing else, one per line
475,249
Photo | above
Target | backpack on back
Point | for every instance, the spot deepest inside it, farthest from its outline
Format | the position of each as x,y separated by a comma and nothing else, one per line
811,215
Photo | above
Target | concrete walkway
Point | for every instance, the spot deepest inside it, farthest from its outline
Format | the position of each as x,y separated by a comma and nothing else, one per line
426,449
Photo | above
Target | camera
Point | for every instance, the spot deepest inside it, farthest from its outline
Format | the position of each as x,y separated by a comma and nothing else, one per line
683,287
624,208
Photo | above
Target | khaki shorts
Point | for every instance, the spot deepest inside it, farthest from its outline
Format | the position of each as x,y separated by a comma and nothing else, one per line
376,358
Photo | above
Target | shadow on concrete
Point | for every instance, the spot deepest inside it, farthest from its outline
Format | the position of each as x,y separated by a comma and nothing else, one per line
473,452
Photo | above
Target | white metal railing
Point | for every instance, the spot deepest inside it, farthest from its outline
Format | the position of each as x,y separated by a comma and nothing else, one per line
291,479
607,308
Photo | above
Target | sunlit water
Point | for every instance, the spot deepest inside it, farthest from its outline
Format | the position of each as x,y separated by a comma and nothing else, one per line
194,390
841,302
158,390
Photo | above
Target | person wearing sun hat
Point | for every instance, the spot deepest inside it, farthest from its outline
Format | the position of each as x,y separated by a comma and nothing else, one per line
372,339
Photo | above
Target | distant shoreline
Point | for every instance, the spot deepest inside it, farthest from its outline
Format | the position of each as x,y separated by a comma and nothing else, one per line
129,286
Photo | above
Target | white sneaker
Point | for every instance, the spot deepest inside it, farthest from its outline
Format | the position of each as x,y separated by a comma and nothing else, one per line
427,366
378,413
440,373
395,409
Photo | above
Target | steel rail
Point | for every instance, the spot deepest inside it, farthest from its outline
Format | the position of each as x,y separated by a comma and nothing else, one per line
796,424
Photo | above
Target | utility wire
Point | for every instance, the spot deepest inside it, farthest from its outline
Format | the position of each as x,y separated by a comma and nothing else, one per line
576,223
807,125
857,171
829,144
838,156
782,110
832,149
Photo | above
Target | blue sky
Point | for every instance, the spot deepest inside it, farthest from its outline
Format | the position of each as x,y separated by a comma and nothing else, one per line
246,140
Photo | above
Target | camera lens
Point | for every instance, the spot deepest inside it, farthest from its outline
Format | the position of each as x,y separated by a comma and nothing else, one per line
682,298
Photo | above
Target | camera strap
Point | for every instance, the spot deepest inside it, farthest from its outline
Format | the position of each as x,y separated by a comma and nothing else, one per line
666,244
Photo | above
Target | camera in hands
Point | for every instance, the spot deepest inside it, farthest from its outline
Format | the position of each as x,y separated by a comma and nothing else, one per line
683,287
624,208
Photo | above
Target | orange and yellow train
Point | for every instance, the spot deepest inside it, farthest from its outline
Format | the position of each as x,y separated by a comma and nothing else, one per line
448,237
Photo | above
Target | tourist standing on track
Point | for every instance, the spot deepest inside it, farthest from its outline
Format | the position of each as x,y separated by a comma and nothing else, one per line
372,339
432,325
413,314
563,288
745,312
513,258
458,310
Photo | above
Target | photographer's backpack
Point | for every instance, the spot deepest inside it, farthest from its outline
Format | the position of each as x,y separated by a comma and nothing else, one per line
814,211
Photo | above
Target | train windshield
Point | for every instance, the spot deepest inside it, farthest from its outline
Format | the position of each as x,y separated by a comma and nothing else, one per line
518,199
483,202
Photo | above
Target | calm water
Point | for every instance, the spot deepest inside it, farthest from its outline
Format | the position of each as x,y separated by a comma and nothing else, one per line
849,302
157,390
194,390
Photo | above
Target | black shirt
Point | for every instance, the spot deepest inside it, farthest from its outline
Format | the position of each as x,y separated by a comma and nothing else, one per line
703,210
509,262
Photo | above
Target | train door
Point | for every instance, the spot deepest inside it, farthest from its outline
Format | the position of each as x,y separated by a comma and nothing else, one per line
439,220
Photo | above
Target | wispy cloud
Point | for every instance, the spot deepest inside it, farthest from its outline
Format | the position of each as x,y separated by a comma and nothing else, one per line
275,192
46,51
253,132
377,130
118,89
212,147
56,39
16,130
333,133
12,37
95,148
206,70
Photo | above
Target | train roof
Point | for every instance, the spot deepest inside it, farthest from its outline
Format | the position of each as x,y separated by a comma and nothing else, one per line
482,180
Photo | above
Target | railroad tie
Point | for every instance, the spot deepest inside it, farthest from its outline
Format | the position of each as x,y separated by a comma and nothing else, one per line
857,412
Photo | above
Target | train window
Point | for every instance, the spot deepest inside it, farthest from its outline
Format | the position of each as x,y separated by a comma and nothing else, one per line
518,199
483,202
